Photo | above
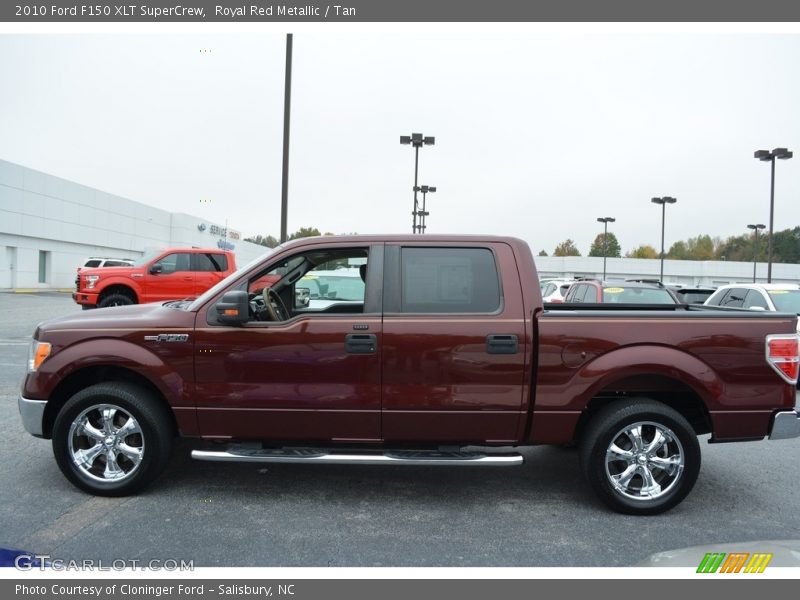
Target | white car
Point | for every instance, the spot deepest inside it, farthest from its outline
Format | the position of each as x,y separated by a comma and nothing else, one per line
780,297
554,290
326,288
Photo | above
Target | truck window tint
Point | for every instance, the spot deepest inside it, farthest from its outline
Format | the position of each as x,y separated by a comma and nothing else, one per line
755,298
449,280
577,293
210,262
172,263
92,263
734,298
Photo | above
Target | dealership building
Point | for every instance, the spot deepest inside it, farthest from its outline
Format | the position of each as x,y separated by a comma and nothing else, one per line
49,226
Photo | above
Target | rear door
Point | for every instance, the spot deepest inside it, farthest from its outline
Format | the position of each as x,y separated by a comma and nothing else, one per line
453,343
208,270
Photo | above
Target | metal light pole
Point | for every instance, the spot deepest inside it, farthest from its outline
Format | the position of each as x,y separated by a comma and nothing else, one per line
417,140
425,189
605,221
755,227
767,156
663,202
287,105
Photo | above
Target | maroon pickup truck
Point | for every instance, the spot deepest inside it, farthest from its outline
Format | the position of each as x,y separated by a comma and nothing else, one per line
440,353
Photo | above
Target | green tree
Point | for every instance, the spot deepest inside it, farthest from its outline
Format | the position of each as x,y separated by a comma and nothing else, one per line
566,248
304,232
612,246
643,251
678,251
543,253
268,241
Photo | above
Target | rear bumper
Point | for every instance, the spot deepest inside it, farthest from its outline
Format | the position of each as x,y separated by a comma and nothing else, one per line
785,425
32,414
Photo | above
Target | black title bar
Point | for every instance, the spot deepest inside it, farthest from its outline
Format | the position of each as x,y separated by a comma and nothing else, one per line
403,11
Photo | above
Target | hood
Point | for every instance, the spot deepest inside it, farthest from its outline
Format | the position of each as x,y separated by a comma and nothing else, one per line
134,316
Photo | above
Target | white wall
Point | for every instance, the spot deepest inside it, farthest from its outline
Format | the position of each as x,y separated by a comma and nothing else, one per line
691,272
42,212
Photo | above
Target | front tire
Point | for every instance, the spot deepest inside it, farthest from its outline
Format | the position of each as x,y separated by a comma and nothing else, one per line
641,457
112,439
115,299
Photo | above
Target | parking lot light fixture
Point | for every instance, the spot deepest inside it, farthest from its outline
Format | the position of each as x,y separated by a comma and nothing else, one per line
425,189
663,202
767,156
605,221
755,227
417,140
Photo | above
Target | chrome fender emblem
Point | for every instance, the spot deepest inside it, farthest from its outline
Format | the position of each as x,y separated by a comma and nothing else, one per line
167,337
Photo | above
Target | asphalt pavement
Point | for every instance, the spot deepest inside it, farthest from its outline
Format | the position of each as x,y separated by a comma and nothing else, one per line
538,514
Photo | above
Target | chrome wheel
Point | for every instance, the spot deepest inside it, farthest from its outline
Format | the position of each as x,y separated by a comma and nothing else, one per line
644,461
106,443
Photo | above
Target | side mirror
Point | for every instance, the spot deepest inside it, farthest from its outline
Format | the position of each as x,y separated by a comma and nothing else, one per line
234,308
156,269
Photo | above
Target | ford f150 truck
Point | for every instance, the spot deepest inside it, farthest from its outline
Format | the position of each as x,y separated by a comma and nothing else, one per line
164,275
449,358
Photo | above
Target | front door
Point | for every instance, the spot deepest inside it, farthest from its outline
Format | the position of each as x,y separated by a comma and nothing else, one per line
171,279
314,376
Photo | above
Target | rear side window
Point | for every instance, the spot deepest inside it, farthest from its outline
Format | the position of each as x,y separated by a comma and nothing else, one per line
449,280
755,298
577,293
92,263
116,263
734,298
210,262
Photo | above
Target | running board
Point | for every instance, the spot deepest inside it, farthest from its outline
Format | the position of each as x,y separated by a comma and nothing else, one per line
389,457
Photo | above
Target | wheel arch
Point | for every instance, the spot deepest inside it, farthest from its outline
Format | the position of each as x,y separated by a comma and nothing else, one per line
90,375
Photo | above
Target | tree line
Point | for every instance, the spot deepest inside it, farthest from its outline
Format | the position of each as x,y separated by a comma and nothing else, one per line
785,248
271,241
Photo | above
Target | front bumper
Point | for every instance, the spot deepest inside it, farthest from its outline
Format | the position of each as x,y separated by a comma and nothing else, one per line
32,414
85,298
785,425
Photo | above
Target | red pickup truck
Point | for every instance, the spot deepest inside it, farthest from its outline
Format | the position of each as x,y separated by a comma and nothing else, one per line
449,358
163,275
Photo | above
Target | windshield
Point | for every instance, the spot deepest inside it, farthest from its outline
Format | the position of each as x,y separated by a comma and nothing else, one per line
786,300
637,295
204,297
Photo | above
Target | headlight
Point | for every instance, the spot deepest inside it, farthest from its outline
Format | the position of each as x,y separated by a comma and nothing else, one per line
91,280
37,353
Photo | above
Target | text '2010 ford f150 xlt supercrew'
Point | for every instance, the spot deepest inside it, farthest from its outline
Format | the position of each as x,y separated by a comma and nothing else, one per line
441,347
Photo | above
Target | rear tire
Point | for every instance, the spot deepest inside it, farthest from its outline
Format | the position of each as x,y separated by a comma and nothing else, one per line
115,299
640,456
113,439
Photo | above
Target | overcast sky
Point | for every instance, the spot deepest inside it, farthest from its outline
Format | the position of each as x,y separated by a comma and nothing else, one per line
536,135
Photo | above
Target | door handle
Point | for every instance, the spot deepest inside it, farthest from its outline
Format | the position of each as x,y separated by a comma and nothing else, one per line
361,343
188,278
501,344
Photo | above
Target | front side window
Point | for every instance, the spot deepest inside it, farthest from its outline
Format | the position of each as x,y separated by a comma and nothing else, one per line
172,263
449,280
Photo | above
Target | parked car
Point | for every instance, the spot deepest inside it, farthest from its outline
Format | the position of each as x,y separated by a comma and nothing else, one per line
595,291
164,275
554,290
452,349
692,294
775,297
96,262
